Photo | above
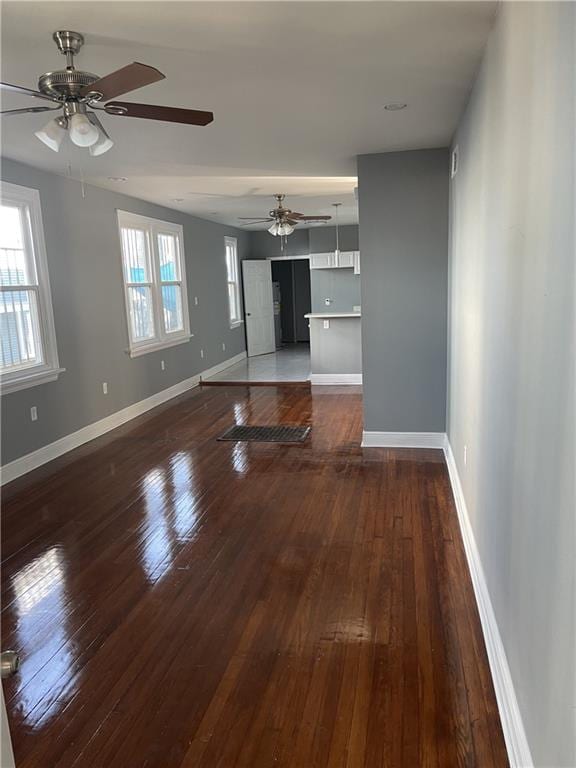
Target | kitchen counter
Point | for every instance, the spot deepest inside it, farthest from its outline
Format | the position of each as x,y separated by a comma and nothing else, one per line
335,347
328,315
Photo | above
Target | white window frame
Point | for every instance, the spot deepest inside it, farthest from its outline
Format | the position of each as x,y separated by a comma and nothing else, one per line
28,200
161,338
232,242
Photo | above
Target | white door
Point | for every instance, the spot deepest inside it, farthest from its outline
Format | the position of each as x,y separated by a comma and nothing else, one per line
258,307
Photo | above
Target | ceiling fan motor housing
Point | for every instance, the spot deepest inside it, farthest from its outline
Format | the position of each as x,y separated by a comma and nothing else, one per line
65,83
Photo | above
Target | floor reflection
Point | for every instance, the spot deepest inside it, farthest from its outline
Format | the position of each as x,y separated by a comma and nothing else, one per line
48,671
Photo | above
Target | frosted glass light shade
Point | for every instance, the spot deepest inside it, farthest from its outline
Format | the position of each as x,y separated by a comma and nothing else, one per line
103,144
52,133
82,132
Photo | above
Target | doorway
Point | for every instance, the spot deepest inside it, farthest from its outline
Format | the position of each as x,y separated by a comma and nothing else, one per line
277,296
292,300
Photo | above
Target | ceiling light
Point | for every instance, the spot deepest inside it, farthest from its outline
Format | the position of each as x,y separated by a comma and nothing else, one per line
274,228
82,132
53,133
285,229
104,142
395,106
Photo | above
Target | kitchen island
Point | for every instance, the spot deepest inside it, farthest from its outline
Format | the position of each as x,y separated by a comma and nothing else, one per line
335,347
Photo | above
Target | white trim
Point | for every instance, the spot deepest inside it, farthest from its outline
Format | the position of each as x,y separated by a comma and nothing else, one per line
222,366
302,257
31,379
153,228
403,439
47,453
335,378
157,345
232,243
49,369
510,716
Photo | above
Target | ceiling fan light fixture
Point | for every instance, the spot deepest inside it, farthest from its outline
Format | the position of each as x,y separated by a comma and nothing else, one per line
285,229
274,229
82,132
103,144
53,133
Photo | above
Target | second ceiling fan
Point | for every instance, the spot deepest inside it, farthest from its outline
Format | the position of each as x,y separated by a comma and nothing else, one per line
284,220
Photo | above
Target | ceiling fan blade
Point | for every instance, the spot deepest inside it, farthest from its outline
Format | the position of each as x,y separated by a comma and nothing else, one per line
28,109
314,218
155,112
261,221
293,221
253,218
129,78
26,92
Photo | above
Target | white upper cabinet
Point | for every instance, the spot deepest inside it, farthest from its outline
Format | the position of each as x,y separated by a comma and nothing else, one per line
323,260
346,259
331,260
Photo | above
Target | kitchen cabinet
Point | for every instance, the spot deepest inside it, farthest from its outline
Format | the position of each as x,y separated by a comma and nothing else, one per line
332,260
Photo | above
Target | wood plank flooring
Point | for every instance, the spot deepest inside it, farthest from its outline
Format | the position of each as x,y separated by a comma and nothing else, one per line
180,602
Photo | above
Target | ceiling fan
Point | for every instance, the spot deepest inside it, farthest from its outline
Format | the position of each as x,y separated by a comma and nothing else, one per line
284,220
76,93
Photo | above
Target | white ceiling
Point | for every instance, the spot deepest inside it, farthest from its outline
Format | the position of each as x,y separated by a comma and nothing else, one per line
297,89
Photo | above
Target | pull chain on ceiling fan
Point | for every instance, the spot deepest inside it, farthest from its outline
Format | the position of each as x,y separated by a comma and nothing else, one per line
74,91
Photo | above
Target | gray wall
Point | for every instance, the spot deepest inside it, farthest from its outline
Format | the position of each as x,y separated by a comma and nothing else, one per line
340,285
512,351
304,241
403,208
263,244
86,279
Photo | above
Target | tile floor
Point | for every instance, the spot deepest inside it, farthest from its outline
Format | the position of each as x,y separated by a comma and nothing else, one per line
291,363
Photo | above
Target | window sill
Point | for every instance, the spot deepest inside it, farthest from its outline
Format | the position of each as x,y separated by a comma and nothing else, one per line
158,345
29,379
237,324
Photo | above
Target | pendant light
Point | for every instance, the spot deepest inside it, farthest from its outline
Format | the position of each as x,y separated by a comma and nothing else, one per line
337,249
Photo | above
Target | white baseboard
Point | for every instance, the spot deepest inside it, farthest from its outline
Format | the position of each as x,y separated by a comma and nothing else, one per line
47,453
222,366
510,717
335,378
403,439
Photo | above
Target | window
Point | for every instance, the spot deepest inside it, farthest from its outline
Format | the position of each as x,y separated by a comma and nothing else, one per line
154,283
28,352
234,308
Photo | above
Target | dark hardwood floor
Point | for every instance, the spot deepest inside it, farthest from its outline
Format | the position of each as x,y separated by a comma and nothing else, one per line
183,602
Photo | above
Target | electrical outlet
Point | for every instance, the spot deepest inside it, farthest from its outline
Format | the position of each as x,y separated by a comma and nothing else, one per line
223,347
327,302
195,301
162,365
465,455
326,324
34,413
357,308
105,387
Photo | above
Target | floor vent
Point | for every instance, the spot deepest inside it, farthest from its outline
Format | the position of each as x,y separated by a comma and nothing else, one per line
275,434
